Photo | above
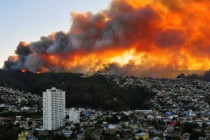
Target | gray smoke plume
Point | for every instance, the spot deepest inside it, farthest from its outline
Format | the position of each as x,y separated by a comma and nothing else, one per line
121,27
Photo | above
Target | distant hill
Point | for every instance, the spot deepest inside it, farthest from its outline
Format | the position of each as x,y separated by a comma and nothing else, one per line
96,91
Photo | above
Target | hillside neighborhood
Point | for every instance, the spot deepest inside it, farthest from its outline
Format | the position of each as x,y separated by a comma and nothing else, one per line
179,109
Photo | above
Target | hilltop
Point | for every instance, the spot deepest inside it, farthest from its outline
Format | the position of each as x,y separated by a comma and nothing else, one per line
116,92
95,91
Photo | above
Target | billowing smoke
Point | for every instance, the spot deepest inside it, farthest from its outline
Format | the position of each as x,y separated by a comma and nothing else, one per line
155,38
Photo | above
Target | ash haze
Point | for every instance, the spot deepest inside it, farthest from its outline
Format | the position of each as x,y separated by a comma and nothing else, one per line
27,20
154,38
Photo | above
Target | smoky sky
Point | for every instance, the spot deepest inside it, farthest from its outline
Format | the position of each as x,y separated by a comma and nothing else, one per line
163,34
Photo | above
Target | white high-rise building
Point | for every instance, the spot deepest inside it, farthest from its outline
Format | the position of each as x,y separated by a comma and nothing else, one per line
54,105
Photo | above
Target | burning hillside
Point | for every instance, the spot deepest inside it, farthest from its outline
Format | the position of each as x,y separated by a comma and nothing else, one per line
153,38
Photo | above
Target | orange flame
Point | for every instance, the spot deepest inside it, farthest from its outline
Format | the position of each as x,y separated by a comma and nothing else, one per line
23,71
38,72
156,38
171,40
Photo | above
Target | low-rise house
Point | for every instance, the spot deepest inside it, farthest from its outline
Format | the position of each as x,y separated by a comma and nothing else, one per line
144,136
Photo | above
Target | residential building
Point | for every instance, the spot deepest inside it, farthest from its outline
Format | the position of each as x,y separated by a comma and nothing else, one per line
74,115
23,135
144,136
54,105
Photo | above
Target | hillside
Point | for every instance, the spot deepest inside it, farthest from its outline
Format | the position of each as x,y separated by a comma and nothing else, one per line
96,91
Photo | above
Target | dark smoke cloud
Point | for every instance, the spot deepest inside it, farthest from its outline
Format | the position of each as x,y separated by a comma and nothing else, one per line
22,49
22,52
34,62
11,64
121,27
155,71
88,32
41,46
60,45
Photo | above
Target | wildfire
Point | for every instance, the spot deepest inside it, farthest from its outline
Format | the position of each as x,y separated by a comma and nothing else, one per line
135,37
38,72
23,71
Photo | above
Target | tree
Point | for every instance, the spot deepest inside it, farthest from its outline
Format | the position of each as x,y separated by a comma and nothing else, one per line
188,127
67,117
30,123
88,134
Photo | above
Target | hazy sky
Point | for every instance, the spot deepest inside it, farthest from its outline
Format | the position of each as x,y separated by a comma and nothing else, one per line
28,20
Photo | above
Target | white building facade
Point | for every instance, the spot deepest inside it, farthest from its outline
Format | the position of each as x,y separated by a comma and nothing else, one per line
54,105
74,115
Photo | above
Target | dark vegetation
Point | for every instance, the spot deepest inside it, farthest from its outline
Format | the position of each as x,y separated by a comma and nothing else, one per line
9,132
24,114
95,91
204,77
